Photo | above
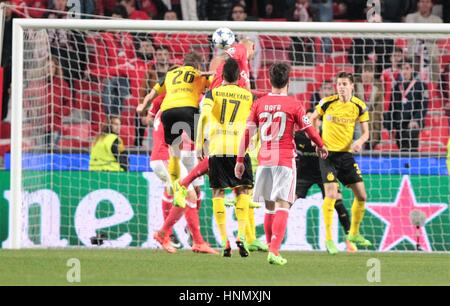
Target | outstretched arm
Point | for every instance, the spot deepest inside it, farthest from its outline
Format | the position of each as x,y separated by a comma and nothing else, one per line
145,105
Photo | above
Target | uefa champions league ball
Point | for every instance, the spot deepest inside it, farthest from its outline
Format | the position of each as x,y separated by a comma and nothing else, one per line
223,38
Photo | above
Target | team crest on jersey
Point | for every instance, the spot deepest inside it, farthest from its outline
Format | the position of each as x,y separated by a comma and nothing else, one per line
330,176
306,120
231,51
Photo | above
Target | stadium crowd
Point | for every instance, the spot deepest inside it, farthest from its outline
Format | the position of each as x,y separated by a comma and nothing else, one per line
107,74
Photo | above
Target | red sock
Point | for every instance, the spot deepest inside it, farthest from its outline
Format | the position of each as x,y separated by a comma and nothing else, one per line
193,222
167,206
198,171
278,229
174,215
268,220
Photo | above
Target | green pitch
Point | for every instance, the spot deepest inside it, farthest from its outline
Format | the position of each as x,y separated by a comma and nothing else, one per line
155,267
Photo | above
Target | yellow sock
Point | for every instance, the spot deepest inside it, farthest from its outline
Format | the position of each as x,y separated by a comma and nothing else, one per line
174,168
250,231
358,209
241,209
328,211
220,215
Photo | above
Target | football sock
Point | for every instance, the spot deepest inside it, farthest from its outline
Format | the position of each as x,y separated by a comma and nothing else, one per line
344,218
358,209
220,215
328,210
241,209
268,221
278,229
250,229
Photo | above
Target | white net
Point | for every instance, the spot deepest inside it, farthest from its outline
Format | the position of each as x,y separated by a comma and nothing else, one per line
74,80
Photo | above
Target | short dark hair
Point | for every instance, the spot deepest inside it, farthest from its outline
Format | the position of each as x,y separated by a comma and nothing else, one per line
408,61
231,71
368,68
162,47
397,50
239,5
279,74
120,10
192,59
346,75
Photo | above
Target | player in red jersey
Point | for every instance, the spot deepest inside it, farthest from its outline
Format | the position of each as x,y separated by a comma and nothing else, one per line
242,53
276,116
160,165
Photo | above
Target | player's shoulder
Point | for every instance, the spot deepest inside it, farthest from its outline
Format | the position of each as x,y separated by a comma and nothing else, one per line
188,69
360,103
236,50
242,90
328,100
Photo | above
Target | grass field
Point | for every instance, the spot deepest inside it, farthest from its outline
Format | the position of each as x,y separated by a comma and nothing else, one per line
155,267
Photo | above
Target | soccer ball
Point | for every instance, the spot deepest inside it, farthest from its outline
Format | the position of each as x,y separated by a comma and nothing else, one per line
223,38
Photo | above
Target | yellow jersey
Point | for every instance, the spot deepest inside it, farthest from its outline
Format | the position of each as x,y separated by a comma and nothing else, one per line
229,107
102,158
338,121
183,87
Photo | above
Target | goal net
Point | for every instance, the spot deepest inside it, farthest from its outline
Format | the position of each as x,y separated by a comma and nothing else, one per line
70,75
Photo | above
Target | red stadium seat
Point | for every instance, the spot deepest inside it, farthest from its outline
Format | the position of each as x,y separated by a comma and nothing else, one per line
262,83
127,133
76,136
5,130
444,44
305,99
5,147
389,146
275,42
127,117
341,43
181,43
271,56
339,59
432,147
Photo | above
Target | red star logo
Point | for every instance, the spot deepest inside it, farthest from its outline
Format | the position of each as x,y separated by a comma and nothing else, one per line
396,217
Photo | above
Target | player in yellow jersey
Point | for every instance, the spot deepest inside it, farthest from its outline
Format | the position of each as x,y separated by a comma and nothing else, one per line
339,115
183,87
227,108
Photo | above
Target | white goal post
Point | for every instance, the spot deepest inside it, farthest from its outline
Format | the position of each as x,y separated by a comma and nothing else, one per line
20,26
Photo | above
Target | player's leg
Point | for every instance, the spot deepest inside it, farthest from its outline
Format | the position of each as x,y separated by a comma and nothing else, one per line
329,179
278,232
199,170
254,244
283,194
261,192
191,212
268,220
242,189
331,194
163,235
344,220
358,209
220,216
350,175
181,186
161,169
241,211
